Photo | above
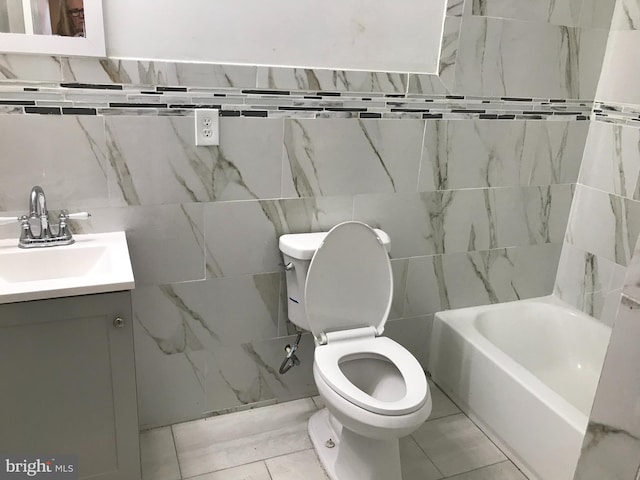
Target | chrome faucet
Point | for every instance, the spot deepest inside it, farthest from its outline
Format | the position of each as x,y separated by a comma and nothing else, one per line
46,237
38,209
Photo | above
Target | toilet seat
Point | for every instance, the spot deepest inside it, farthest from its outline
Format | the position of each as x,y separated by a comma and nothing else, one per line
328,357
348,294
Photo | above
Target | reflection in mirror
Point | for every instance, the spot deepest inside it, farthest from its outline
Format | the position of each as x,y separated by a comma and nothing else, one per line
52,27
67,17
11,16
43,17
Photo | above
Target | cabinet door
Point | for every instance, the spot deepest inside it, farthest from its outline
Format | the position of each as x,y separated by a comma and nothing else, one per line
68,383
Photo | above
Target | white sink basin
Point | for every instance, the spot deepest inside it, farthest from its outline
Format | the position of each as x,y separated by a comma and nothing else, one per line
95,263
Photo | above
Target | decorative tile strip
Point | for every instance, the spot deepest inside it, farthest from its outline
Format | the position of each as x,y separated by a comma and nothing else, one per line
115,99
618,113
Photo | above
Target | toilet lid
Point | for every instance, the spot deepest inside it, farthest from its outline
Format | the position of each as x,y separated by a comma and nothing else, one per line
349,282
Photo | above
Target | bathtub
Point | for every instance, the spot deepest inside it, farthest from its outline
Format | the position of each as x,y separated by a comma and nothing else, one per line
526,372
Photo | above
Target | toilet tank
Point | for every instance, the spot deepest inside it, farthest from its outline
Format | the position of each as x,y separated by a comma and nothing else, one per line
297,250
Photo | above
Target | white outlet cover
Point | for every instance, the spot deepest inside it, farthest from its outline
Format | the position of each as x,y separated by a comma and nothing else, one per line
207,127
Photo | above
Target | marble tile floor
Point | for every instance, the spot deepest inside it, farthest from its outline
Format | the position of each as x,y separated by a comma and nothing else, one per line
271,443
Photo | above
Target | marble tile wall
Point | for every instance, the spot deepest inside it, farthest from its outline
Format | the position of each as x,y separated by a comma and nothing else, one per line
626,15
599,265
203,225
605,217
521,48
476,208
604,223
571,13
611,447
621,64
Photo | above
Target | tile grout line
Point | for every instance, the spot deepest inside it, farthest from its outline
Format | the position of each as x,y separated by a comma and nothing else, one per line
444,416
267,468
425,454
493,443
506,460
200,475
578,184
284,455
422,149
486,466
460,412
175,449
240,465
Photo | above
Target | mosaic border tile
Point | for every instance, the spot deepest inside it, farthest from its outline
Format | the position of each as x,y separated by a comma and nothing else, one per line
116,99
618,113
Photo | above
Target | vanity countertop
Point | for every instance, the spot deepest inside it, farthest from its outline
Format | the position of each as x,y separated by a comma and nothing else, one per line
94,263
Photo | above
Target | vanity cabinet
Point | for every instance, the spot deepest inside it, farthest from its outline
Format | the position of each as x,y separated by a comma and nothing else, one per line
68,383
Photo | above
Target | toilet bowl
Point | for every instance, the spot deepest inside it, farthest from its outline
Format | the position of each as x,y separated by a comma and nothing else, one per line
374,390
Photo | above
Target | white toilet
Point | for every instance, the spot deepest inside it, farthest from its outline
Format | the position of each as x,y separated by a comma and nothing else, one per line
340,287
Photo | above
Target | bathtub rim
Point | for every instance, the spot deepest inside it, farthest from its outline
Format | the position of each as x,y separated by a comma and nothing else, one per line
461,321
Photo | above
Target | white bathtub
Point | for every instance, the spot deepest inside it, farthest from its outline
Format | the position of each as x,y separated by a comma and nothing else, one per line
526,372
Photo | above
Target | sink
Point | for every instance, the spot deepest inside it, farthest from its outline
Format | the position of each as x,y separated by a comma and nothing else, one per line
95,263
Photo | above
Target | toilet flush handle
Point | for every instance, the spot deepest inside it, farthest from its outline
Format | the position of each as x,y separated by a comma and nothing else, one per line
289,266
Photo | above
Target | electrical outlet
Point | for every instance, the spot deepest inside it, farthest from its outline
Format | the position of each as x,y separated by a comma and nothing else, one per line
207,127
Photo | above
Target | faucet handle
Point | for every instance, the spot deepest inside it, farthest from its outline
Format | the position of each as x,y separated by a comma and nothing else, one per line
74,216
7,220
63,229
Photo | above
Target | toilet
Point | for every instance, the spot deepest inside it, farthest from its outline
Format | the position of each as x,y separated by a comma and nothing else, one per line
340,287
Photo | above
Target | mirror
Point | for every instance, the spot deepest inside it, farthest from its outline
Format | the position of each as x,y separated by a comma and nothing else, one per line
53,27
401,36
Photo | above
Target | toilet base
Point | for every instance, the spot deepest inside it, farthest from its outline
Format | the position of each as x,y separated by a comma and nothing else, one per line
353,457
